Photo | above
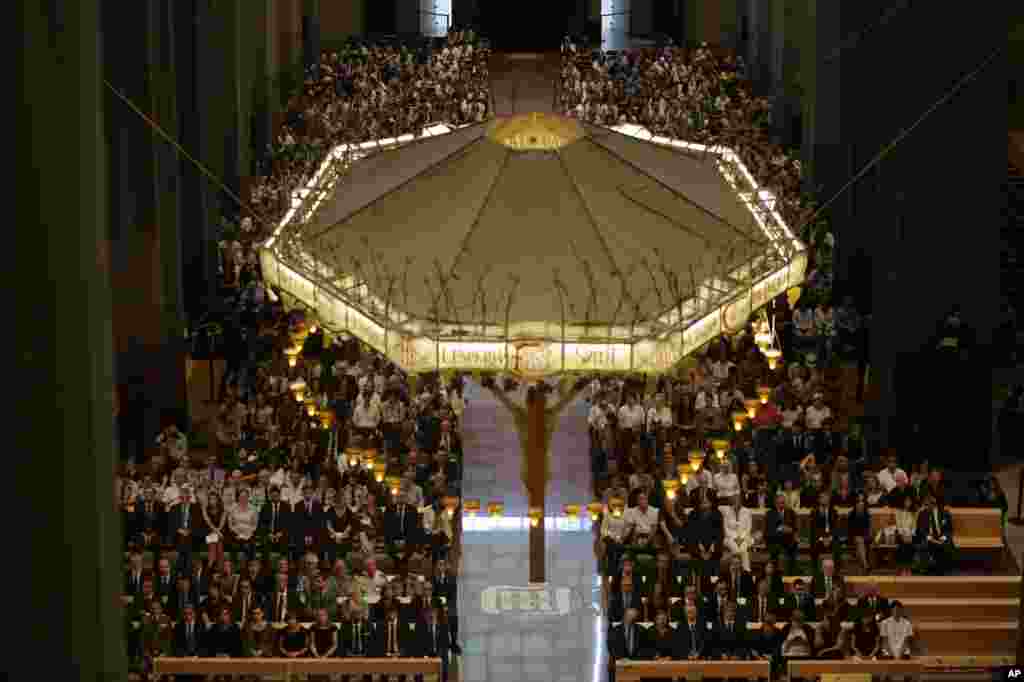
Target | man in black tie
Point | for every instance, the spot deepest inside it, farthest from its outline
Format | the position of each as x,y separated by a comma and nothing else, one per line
729,639
274,521
627,641
188,638
308,520
164,583
445,585
184,518
133,576
401,523
934,536
690,636
761,604
780,533
435,641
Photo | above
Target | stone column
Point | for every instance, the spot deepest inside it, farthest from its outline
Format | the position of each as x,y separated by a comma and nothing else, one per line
61,412
311,33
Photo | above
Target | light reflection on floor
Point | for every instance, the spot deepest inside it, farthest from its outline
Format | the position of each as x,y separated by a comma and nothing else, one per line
525,645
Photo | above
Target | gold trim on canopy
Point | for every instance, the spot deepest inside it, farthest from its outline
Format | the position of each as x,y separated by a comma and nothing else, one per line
535,131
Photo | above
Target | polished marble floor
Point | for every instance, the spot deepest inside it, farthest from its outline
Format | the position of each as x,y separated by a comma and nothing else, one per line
557,639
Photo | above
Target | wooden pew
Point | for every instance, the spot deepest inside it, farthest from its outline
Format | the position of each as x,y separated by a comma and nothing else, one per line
811,669
938,587
633,671
955,638
973,529
964,637
293,666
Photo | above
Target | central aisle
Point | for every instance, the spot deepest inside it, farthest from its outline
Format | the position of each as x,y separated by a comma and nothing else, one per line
523,83
557,635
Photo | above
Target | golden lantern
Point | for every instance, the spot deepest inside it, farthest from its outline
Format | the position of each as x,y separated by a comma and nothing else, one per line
615,504
737,420
773,355
293,355
380,470
395,484
298,388
471,507
326,418
536,514
450,503
670,485
595,509
764,392
721,446
311,408
495,509
353,457
571,510
696,459
763,338
370,456
751,405
684,477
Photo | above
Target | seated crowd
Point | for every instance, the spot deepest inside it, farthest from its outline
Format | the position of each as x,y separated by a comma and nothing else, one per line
681,487
697,95
285,515
368,92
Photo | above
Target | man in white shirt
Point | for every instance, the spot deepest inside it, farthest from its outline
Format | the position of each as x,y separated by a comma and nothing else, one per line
738,526
817,413
897,634
887,476
641,522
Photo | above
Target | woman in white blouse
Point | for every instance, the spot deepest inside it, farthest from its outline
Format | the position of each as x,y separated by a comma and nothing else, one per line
242,522
906,526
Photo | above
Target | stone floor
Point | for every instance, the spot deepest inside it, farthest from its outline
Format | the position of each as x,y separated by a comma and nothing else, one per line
509,640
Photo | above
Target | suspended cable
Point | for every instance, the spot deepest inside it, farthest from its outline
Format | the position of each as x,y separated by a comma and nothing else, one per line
957,87
174,143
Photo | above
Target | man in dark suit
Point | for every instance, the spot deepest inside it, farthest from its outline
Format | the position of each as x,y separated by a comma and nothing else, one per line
274,521
627,640
189,639
445,585
164,582
435,640
691,636
780,533
246,599
801,600
394,639
794,447
150,522
133,576
307,523
283,601
741,583
934,537
824,529
825,578
182,597
623,600
184,519
728,640
713,604
401,524
763,603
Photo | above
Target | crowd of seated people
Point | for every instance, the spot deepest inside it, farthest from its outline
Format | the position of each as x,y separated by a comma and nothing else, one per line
695,537
285,515
367,92
697,95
